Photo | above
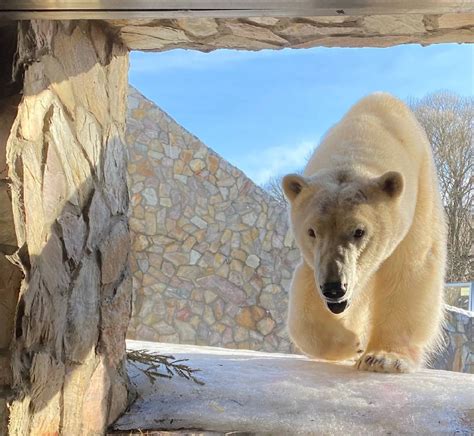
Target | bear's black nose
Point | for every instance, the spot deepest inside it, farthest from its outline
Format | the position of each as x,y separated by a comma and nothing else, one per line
333,290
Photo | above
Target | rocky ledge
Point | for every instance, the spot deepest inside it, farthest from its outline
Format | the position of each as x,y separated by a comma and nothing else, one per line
256,392
257,33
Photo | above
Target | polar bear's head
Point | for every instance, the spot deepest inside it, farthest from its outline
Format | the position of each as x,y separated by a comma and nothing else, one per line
345,227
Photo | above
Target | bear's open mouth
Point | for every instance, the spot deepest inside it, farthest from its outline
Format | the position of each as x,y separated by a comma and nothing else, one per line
337,307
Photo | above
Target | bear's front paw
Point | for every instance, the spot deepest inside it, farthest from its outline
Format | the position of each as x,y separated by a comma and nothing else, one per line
382,361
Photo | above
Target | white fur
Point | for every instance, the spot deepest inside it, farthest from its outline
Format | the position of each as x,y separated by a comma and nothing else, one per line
395,273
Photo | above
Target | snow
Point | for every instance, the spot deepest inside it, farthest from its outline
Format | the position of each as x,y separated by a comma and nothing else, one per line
257,392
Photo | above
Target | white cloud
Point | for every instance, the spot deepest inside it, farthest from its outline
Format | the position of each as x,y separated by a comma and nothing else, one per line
261,165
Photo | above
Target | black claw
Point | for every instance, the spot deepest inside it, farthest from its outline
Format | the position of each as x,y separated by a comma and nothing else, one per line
369,360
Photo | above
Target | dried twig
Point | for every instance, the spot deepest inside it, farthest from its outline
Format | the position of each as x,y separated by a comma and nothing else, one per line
152,362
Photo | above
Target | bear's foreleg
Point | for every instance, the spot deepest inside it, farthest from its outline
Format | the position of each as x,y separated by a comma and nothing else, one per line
316,331
407,316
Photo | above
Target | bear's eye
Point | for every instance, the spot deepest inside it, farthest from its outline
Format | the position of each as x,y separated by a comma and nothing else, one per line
359,233
311,233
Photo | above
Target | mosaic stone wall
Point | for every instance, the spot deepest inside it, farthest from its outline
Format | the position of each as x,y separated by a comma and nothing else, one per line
212,254
459,336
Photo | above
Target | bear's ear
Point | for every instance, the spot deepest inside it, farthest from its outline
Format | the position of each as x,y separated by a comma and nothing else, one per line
292,185
391,183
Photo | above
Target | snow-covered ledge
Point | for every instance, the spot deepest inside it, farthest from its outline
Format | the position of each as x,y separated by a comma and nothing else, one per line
257,392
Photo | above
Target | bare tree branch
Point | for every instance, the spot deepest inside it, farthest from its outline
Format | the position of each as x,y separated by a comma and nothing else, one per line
273,187
449,120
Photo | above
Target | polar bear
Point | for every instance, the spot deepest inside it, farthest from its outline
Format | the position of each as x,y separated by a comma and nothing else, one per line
368,219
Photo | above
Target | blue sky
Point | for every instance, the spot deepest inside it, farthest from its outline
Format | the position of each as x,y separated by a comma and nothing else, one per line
265,111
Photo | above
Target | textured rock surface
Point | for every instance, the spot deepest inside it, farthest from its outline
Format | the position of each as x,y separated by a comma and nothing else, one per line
212,254
10,274
208,34
66,162
256,392
459,337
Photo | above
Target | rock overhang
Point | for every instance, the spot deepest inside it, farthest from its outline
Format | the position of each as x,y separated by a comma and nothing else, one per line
156,25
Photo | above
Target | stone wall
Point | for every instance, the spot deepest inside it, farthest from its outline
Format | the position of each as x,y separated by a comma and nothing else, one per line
458,354
66,169
10,275
212,254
